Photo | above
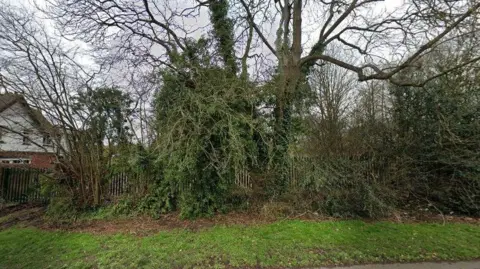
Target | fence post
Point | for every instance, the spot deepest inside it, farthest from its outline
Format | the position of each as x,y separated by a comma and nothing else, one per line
2,185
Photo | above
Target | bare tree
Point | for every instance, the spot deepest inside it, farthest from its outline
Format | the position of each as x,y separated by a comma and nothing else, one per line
332,87
41,69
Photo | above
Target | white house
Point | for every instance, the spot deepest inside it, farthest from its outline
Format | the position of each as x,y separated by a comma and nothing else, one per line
25,134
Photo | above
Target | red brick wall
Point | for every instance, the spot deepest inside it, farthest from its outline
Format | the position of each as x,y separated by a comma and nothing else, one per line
42,160
38,159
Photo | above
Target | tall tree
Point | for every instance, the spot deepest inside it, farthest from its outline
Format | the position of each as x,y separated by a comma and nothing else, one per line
383,42
107,112
332,88
223,32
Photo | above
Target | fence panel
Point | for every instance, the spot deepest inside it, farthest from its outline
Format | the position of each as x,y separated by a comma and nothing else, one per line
119,184
243,179
20,185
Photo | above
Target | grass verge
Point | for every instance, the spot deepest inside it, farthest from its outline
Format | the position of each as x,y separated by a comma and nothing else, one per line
282,244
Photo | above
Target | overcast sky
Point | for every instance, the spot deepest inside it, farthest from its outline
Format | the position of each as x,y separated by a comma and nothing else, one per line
309,25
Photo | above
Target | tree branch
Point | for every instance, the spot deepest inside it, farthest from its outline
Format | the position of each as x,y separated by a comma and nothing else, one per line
257,29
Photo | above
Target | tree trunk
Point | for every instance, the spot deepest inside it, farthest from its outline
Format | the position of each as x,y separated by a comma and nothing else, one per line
289,77
96,197
289,83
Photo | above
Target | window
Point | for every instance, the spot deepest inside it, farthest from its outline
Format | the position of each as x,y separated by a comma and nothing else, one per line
47,140
15,161
26,137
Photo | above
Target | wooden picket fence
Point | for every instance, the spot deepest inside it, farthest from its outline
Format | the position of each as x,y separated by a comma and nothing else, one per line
122,183
118,185
126,182
243,179
20,185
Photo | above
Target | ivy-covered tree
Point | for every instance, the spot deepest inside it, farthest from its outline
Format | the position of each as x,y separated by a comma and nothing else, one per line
205,132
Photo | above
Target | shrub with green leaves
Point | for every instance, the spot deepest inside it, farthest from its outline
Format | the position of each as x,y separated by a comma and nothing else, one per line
343,187
439,134
205,128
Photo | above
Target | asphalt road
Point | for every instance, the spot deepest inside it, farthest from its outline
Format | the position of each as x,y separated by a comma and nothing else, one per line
426,265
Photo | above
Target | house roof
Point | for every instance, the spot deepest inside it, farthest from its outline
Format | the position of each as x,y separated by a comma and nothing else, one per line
9,99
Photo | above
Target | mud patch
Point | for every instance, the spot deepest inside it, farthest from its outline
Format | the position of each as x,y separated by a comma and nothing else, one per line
23,216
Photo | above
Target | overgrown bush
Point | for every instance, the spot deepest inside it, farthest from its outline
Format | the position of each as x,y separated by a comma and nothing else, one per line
345,187
3,202
439,133
206,131
124,207
275,210
62,209
62,205
161,199
240,198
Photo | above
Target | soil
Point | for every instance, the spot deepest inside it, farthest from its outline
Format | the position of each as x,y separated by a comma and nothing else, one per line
144,225
24,215
33,216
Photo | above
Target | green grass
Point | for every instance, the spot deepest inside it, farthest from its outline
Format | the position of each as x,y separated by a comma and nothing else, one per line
281,244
